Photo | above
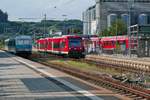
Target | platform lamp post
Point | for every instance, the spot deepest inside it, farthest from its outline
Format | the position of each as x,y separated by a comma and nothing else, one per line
116,29
22,26
45,17
65,19
130,6
44,34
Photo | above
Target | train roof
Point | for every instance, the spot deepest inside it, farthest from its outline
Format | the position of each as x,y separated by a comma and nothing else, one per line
23,37
114,38
62,36
88,36
19,37
66,36
7,40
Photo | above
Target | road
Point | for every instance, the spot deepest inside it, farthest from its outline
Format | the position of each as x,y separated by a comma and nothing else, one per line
21,79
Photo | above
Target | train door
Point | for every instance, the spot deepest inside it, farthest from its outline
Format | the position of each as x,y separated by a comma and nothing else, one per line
49,47
95,44
56,45
52,45
123,46
86,43
46,45
63,48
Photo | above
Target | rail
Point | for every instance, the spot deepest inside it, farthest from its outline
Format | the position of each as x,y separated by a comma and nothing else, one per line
134,66
106,82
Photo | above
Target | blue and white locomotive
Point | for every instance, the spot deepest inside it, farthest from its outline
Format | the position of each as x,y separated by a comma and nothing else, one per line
21,44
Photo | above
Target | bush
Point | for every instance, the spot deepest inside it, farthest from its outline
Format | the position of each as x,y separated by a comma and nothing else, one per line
1,45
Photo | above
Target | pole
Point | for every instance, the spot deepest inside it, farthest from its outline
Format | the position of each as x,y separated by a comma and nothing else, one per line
116,35
130,3
65,19
98,14
129,33
44,25
45,33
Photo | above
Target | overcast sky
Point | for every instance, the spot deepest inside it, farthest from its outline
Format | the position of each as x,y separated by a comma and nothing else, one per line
37,8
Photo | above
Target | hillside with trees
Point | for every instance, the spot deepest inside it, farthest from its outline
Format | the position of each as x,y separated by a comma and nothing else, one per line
44,27
39,29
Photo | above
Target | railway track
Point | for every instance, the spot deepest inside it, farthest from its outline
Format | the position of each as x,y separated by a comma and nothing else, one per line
106,82
121,64
129,90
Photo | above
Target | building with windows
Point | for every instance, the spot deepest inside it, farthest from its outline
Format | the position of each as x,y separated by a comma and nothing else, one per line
89,21
105,12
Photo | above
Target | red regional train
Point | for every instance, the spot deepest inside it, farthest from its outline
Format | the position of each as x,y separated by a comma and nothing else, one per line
94,44
121,43
69,45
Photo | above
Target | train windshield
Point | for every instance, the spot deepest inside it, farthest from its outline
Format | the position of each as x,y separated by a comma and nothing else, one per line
74,42
23,42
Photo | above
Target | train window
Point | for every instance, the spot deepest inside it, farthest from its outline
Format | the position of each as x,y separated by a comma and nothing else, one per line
26,41
106,43
109,43
56,45
21,42
11,43
74,42
62,45
41,46
14,43
113,43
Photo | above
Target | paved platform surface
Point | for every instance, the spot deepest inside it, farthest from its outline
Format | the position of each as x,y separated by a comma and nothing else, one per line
24,82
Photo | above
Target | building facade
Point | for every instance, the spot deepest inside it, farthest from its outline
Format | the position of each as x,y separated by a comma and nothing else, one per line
107,11
89,21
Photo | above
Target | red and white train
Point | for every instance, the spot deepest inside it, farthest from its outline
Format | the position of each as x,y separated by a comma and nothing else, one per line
110,44
79,46
69,45
120,43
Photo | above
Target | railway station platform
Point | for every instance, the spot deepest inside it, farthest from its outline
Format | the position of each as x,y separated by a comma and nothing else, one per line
22,79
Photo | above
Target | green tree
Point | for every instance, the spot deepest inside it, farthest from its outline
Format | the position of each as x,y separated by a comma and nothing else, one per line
1,44
117,28
106,32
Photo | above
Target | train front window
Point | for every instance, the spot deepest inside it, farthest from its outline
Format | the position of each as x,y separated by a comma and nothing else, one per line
74,42
25,42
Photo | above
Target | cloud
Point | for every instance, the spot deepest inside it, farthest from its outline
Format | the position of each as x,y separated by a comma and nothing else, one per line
37,8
